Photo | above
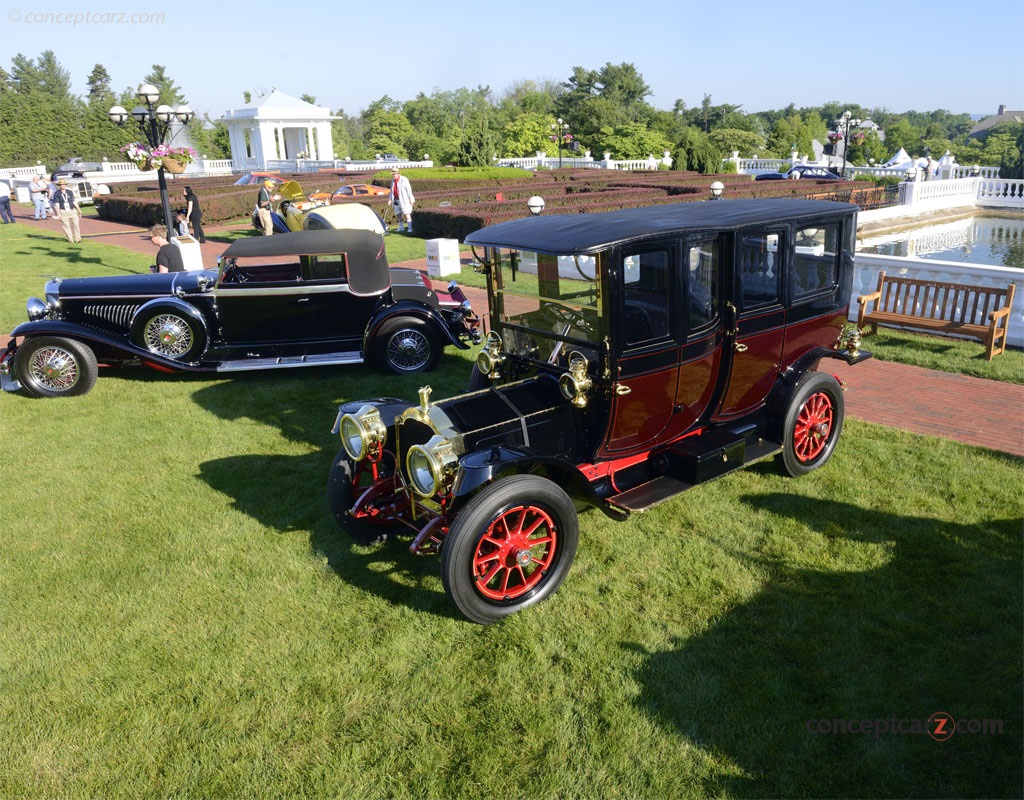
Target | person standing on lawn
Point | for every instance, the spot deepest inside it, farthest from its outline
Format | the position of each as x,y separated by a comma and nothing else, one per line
401,198
5,203
38,189
68,211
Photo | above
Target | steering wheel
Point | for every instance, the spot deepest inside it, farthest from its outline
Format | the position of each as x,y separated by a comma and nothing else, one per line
232,274
571,317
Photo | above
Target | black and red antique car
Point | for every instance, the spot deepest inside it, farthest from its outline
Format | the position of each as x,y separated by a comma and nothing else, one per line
310,298
632,355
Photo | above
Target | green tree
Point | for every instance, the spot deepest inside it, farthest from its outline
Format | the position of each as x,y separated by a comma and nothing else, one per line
746,142
694,151
526,134
100,93
632,140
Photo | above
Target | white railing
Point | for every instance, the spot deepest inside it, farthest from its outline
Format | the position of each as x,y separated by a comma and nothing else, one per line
867,266
309,165
544,161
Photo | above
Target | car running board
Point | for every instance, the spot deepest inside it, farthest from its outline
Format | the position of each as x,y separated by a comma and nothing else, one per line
699,464
283,362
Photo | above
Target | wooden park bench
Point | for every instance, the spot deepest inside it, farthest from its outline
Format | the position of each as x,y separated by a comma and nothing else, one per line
976,311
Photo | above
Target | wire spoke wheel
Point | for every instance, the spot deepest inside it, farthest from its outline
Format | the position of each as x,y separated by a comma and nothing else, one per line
168,335
55,367
408,349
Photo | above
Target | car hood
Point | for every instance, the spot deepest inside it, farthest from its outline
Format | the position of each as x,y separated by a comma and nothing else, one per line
166,283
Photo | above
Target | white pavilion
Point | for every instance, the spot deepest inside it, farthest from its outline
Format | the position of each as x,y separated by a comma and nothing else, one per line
278,127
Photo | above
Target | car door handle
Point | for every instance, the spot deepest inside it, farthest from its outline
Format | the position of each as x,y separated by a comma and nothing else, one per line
622,389
302,300
740,348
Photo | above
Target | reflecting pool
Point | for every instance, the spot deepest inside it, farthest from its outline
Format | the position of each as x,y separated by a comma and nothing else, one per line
985,239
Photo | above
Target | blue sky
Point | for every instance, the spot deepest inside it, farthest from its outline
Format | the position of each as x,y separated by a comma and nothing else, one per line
966,57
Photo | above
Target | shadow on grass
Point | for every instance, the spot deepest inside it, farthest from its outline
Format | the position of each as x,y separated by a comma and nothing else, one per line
289,492
296,501
936,629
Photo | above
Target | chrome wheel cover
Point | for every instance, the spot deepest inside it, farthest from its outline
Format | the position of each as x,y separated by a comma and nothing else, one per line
408,349
168,335
54,368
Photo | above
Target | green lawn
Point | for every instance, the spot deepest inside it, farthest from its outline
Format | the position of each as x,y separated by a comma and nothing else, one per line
181,617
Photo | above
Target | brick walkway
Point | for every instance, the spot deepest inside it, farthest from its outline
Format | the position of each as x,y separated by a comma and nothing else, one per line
972,410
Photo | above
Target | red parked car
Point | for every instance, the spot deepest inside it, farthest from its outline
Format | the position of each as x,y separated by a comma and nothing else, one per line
633,355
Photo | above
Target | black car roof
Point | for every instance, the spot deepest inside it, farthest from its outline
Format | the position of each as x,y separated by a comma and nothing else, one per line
309,243
588,233
368,271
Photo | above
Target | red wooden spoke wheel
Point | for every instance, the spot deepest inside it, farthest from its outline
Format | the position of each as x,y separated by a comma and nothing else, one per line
510,547
814,420
515,552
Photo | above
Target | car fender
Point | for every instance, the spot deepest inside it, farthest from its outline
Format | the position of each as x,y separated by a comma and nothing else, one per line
389,408
100,342
409,308
782,392
172,304
483,467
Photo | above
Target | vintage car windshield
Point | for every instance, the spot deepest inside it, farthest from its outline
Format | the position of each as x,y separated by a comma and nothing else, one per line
548,299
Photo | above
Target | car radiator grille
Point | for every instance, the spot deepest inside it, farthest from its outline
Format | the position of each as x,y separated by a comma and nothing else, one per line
113,315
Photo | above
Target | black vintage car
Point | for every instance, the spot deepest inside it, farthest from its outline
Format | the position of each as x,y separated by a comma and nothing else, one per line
633,355
311,298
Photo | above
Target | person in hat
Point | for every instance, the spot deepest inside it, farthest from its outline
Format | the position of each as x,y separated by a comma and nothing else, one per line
68,211
401,198
263,206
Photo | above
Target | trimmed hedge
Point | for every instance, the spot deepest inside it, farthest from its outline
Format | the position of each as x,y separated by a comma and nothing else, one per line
473,204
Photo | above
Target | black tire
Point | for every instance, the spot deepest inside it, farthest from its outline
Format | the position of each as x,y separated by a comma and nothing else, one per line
405,346
490,570
477,380
167,332
52,366
814,421
345,484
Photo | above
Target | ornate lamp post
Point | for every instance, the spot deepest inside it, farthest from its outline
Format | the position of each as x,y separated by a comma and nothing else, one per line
717,187
560,133
535,204
154,122
846,123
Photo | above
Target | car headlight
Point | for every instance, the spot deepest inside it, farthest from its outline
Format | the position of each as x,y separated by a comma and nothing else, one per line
362,432
36,309
490,359
431,466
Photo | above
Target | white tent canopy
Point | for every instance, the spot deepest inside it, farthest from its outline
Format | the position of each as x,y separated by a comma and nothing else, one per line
901,157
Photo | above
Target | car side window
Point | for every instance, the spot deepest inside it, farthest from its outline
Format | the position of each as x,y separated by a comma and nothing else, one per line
646,278
816,261
331,267
760,268
702,284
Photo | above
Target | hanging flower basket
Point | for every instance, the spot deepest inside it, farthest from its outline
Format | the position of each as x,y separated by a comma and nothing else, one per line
173,166
145,165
